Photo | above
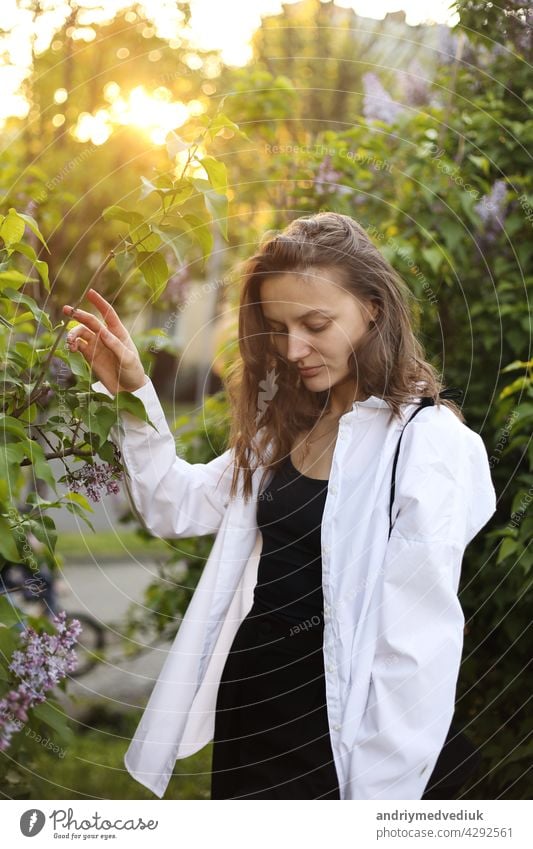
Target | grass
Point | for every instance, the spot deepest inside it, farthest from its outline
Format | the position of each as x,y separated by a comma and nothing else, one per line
93,766
110,545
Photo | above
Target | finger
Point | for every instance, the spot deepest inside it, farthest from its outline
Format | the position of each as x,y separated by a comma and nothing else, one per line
79,330
86,318
80,334
115,345
83,340
93,323
108,312
101,333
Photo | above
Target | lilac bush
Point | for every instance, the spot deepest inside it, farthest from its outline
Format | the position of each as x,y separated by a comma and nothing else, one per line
447,44
377,102
415,86
492,210
326,177
43,662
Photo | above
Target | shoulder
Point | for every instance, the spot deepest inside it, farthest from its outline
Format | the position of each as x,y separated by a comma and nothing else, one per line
436,432
444,466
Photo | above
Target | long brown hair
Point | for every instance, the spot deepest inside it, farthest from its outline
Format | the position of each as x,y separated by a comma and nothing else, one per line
269,404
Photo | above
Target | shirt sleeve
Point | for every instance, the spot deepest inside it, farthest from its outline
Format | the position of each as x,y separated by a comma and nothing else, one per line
171,497
444,495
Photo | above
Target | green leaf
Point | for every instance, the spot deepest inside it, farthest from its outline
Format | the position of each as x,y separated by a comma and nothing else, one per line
216,205
12,425
117,213
433,257
154,269
79,499
507,548
467,202
44,530
102,421
14,452
175,144
30,414
12,228
40,463
40,265
22,318
76,510
9,614
480,162
201,231
221,122
180,192
8,545
453,233
124,261
9,641
131,404
516,364
78,365
13,277
147,188
217,173
179,239
51,713
36,311
32,224
144,238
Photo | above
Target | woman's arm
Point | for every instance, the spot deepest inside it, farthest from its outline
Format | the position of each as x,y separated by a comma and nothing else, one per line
444,496
170,496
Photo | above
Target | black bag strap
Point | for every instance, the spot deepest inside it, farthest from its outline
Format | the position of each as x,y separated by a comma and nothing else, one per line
458,758
426,401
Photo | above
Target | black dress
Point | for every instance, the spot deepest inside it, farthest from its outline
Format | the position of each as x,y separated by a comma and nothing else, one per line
271,736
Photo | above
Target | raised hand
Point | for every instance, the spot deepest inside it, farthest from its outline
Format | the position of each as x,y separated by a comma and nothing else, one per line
106,345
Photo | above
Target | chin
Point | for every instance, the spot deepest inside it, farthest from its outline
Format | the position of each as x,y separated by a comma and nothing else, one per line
316,384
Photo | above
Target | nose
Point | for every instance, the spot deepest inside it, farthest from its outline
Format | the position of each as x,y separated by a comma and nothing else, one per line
298,348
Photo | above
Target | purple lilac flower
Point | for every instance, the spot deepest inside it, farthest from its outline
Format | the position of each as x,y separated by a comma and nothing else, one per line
446,45
492,209
44,661
415,86
325,176
377,102
95,479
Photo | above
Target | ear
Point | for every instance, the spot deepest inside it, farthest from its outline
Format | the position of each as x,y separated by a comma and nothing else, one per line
373,308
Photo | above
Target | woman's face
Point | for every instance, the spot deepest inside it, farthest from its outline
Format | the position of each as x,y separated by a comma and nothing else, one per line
315,322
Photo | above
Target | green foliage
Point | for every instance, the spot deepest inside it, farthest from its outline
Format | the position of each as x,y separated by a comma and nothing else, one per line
49,410
100,740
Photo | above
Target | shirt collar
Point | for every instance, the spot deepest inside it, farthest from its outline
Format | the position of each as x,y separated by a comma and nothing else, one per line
372,401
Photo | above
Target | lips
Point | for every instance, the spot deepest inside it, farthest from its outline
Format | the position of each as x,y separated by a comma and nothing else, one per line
309,370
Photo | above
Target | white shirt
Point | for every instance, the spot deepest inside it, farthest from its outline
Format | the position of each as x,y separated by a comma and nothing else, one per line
393,624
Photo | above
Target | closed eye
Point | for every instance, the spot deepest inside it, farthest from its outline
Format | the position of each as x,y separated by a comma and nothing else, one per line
311,329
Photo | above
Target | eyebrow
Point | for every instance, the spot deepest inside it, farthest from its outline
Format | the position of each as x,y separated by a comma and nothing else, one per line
324,313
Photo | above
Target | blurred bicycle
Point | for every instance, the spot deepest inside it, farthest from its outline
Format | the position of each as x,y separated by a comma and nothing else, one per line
35,594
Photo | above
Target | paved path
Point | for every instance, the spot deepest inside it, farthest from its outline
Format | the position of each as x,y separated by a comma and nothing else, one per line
105,591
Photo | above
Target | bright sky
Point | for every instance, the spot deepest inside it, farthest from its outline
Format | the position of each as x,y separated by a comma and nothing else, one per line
216,24
229,24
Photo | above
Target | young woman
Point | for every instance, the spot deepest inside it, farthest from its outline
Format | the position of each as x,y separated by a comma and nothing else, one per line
321,648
